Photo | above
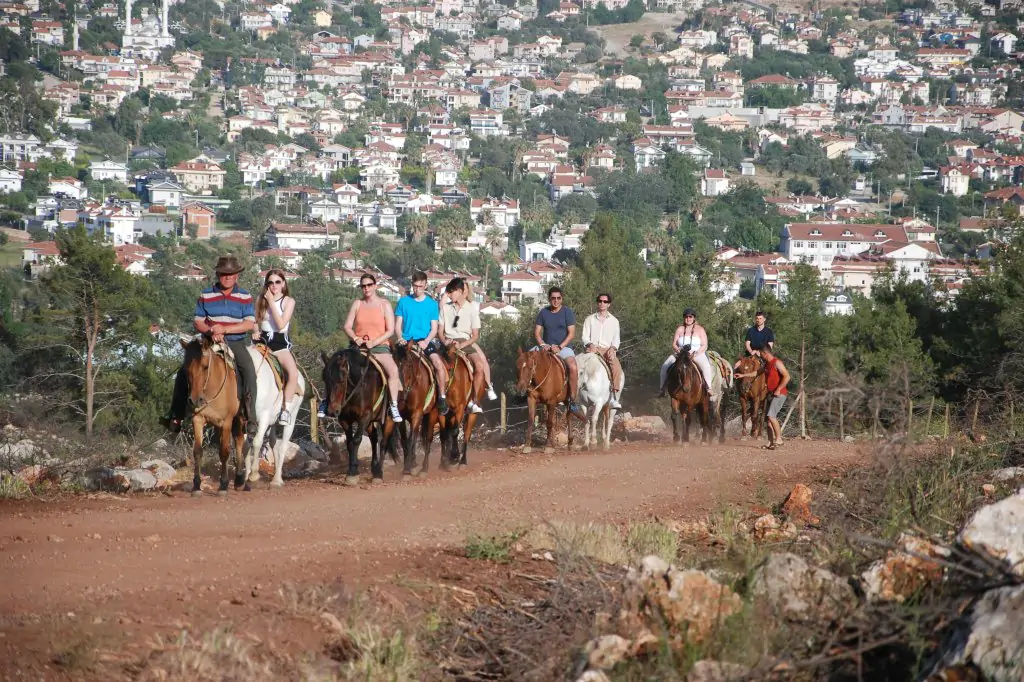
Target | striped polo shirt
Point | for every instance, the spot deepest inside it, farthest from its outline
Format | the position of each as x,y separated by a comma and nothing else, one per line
226,307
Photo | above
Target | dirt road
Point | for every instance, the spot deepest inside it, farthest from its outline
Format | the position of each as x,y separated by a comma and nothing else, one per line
162,561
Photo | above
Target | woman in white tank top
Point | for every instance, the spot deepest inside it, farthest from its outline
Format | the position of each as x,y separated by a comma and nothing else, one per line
693,335
274,310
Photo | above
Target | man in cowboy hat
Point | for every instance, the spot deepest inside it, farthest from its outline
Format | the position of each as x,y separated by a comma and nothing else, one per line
226,313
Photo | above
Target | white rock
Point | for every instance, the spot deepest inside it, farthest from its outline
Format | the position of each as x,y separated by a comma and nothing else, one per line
140,479
990,636
798,590
716,671
593,676
998,531
1008,474
25,451
161,470
605,652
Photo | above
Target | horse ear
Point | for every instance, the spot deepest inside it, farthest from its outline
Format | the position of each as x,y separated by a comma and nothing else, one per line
324,358
184,343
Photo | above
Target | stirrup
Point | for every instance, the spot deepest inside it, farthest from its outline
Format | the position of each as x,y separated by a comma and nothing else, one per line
491,395
474,408
284,418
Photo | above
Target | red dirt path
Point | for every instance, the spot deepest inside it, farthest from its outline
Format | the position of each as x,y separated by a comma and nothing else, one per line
123,568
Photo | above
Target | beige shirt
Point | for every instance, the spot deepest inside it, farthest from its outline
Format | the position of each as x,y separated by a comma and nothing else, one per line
603,333
469,319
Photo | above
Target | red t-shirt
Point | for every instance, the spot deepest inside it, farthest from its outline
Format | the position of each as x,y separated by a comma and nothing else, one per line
773,377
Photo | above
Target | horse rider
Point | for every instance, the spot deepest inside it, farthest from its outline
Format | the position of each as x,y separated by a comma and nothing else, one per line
370,324
693,335
416,321
227,313
601,337
554,329
274,310
777,378
758,338
460,329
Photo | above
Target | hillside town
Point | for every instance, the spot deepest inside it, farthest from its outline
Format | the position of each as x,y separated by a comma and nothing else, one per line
482,139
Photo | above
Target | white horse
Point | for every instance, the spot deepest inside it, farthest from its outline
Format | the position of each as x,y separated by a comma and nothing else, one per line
268,409
595,394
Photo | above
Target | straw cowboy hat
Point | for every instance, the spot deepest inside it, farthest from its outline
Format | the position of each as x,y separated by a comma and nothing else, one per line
228,265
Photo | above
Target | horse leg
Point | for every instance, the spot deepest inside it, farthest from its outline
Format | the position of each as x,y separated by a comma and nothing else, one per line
466,437
609,418
721,418
531,404
198,424
427,435
238,432
677,421
353,436
409,430
376,457
549,444
282,447
743,419
225,454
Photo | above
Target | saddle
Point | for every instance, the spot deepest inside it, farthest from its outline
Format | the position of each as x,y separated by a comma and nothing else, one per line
430,373
724,368
275,365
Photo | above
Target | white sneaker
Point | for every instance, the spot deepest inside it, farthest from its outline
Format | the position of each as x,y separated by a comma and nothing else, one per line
491,395
474,408
614,404
285,418
395,416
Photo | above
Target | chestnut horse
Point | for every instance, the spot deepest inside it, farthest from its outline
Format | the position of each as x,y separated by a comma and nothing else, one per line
213,397
356,398
543,377
686,387
417,404
753,394
463,386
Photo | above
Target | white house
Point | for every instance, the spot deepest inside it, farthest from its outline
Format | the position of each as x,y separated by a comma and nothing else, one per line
819,243
10,180
521,286
1004,42
498,309
69,187
840,303
109,170
302,237
955,180
714,183
165,193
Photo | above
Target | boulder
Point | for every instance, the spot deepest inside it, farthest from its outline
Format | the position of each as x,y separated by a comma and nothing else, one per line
797,505
35,474
652,424
685,605
799,591
163,472
605,652
717,671
990,635
1009,474
140,479
301,465
593,676
768,527
107,478
998,531
905,570
313,451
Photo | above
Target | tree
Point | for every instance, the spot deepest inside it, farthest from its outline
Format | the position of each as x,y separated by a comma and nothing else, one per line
636,41
798,186
451,224
96,310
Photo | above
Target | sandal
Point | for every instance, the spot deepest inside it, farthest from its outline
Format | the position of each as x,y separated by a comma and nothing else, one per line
773,446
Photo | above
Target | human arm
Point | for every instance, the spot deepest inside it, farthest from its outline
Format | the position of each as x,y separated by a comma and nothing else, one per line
783,377
434,326
538,335
675,340
616,337
746,344
389,326
771,340
282,317
587,337
570,328
350,322
399,320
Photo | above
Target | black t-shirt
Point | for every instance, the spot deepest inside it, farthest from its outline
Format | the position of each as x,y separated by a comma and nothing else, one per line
760,339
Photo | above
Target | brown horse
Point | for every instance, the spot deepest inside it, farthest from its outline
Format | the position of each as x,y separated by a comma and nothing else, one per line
753,393
213,397
463,386
542,376
686,388
356,397
417,404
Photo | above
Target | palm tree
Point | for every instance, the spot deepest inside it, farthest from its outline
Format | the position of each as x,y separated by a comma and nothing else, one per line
417,226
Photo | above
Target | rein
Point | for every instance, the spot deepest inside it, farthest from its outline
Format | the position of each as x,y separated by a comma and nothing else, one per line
209,371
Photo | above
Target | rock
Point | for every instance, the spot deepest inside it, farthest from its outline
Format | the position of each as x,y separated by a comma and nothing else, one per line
604,653
766,525
989,636
685,605
332,623
797,505
644,643
1008,474
107,478
561,438
849,439
998,531
267,468
140,479
717,671
593,676
799,591
163,472
301,465
313,451
904,571
652,424
22,452
35,474
988,490
55,538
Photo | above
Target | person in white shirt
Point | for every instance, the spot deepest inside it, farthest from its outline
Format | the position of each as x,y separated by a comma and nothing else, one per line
601,336
460,329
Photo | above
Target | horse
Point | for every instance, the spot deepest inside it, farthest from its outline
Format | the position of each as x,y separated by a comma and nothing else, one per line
356,395
213,397
685,385
417,405
595,388
753,394
268,406
463,386
542,376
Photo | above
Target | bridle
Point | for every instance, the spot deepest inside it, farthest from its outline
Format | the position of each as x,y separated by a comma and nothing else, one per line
747,382
205,402
344,381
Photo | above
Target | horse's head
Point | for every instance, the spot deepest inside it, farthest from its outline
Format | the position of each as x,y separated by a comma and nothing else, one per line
336,375
203,368
751,366
526,367
682,367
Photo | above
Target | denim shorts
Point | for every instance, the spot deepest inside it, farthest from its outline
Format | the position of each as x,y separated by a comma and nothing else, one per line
776,405
565,353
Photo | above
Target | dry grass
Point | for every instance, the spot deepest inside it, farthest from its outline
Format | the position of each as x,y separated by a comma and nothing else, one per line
604,542
217,656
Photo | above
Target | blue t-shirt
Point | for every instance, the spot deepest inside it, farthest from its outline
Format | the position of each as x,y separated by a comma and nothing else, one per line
556,325
226,307
416,317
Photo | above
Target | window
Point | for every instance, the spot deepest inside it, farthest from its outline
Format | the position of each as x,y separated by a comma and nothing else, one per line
828,246
798,245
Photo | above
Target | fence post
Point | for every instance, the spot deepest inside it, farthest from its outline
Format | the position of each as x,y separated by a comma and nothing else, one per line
842,430
974,420
504,415
1012,427
945,424
931,409
314,422
874,424
910,419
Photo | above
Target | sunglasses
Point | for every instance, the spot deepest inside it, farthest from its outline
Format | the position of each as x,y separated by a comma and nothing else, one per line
367,286
555,298
455,322
275,281
603,300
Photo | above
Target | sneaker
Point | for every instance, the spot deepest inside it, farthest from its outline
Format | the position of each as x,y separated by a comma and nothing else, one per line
285,418
442,405
395,416
491,395
575,408
321,409
474,408
614,404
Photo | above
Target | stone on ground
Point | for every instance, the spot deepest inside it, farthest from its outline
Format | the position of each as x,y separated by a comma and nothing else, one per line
717,671
799,591
905,570
998,531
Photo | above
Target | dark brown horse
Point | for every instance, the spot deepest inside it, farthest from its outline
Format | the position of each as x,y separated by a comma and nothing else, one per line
417,404
542,376
753,393
463,386
213,398
685,386
356,397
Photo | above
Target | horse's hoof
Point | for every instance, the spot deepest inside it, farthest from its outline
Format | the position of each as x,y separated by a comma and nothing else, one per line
197,493
463,466
549,450
247,488
254,477
423,473
377,481
351,481
527,450
222,493
277,483
744,438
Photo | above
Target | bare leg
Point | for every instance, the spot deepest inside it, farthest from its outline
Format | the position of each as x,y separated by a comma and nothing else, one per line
574,378
442,374
291,387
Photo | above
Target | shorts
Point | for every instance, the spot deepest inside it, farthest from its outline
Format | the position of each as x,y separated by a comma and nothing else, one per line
776,405
382,349
433,347
565,353
277,342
